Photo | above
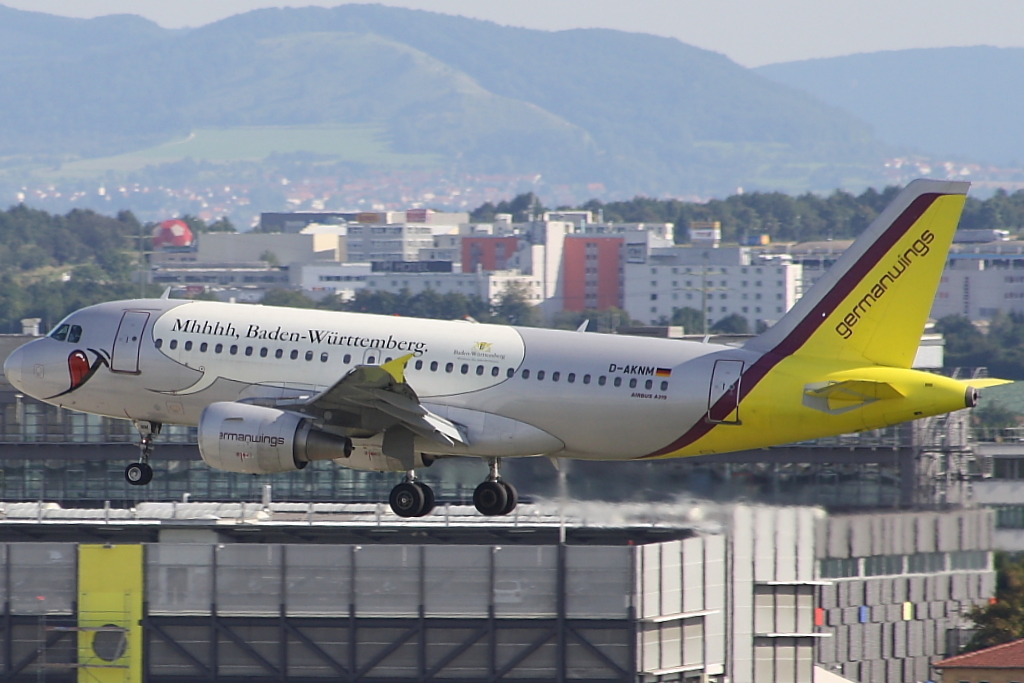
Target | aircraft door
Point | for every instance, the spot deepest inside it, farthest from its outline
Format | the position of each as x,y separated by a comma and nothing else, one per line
724,395
125,355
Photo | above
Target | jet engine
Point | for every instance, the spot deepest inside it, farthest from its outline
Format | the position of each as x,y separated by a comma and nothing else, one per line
239,437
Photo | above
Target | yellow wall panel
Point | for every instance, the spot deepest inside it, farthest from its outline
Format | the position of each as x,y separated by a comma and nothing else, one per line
110,595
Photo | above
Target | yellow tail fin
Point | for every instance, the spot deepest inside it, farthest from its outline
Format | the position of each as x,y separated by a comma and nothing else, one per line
872,305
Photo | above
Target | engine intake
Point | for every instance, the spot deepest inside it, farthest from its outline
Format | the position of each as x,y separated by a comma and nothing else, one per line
238,437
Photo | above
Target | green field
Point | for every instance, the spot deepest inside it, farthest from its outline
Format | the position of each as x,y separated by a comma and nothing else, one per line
361,143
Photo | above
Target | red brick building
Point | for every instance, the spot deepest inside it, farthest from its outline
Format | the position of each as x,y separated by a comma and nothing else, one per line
592,272
487,253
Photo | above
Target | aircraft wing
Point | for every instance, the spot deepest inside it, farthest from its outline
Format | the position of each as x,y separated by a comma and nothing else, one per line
376,398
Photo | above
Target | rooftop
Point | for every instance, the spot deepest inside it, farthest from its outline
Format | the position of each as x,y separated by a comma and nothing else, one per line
1005,656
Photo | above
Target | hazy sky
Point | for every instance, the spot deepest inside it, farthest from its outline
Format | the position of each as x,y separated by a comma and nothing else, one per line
751,32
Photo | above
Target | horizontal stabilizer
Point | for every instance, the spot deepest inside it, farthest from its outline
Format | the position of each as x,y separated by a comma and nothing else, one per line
840,397
985,382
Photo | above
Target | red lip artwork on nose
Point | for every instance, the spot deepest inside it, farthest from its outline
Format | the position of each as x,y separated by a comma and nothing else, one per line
78,365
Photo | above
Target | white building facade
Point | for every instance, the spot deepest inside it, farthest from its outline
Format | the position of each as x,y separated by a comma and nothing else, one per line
723,282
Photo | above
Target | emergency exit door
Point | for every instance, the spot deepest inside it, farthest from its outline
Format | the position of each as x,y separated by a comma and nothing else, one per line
125,356
724,395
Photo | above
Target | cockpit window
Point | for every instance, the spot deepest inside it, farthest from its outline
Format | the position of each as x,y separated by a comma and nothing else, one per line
61,333
75,334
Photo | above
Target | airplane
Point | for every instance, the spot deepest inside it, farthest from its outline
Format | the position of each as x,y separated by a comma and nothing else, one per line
273,389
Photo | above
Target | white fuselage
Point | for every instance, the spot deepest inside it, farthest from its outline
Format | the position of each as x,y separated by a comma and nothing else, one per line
599,396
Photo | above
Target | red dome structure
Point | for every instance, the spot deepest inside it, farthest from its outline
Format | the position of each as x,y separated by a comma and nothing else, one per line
172,233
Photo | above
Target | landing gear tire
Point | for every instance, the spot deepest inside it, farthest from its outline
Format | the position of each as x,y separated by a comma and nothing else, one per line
491,498
409,499
513,497
428,499
138,474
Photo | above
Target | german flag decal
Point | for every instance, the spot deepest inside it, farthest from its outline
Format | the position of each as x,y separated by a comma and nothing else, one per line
663,372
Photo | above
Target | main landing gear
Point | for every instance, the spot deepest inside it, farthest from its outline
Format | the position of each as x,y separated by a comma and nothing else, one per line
413,498
495,496
140,473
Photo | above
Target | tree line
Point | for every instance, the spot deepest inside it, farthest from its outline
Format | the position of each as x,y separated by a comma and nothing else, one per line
801,218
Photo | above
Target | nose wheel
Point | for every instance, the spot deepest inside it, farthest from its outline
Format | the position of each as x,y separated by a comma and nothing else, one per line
495,496
411,498
140,473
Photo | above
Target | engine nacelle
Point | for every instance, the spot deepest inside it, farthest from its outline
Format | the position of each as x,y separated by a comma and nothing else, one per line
238,437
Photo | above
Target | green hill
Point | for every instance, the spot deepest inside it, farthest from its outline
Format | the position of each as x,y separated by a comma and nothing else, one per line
636,113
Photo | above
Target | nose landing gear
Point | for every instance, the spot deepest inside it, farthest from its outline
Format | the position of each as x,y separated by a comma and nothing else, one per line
140,473
495,496
411,498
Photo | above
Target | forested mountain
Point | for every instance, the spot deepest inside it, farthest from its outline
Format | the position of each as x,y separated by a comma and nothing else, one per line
958,101
629,112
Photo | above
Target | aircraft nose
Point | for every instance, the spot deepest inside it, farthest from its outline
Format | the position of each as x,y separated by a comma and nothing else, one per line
14,370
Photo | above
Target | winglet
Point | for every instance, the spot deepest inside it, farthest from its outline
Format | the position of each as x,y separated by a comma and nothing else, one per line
396,367
166,294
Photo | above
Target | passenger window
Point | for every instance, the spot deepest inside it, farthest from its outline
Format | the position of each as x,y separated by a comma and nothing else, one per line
61,333
555,376
263,352
218,348
294,354
388,359
158,343
233,350
419,365
465,368
648,384
601,380
586,379
571,378
372,360
495,370
618,382
203,347
433,366
188,346
540,374
510,372
632,383
174,343
309,355
279,353
248,350
449,367
526,374
348,358
479,369
75,334
664,386
323,357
